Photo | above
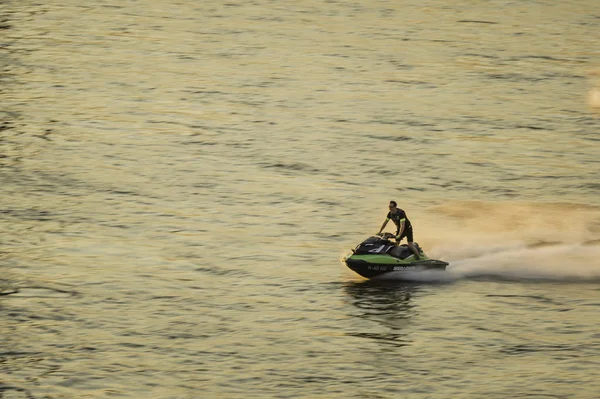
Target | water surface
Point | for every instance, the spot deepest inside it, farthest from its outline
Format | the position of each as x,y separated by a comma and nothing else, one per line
180,181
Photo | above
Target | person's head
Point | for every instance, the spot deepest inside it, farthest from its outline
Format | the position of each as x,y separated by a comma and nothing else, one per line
393,204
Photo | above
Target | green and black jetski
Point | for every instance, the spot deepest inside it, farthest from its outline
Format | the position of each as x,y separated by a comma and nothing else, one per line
377,255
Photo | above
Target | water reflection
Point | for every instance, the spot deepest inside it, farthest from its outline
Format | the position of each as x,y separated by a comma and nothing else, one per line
387,304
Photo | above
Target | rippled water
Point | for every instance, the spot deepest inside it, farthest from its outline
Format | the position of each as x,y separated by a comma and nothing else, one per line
181,179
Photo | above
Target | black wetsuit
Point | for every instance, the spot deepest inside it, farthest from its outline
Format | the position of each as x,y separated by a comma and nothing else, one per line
396,218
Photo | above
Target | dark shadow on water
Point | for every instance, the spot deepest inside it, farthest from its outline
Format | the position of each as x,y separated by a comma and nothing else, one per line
387,304
381,297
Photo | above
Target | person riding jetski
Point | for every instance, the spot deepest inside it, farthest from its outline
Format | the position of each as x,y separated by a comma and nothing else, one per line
403,226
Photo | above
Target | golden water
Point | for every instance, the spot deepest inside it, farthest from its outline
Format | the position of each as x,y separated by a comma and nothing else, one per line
180,180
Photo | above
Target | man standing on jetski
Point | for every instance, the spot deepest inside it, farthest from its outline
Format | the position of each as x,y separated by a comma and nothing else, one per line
403,226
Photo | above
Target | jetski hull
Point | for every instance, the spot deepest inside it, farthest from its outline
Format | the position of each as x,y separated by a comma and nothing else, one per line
375,266
377,255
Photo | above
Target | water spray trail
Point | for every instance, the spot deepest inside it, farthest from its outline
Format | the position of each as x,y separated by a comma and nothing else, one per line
559,262
522,241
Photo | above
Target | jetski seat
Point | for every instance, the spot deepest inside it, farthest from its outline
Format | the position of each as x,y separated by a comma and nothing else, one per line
403,251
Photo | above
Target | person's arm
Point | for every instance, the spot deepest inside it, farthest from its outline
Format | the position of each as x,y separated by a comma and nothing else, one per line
383,225
401,228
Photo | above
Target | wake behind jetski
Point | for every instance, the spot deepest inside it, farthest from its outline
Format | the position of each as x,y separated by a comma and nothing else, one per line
377,255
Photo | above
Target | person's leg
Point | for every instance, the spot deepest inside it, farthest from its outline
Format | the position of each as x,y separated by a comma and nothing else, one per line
414,250
409,239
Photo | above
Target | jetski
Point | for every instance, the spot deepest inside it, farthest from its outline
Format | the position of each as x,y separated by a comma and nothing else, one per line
377,255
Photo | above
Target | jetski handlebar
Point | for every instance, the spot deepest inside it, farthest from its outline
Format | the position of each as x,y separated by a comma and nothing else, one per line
385,235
